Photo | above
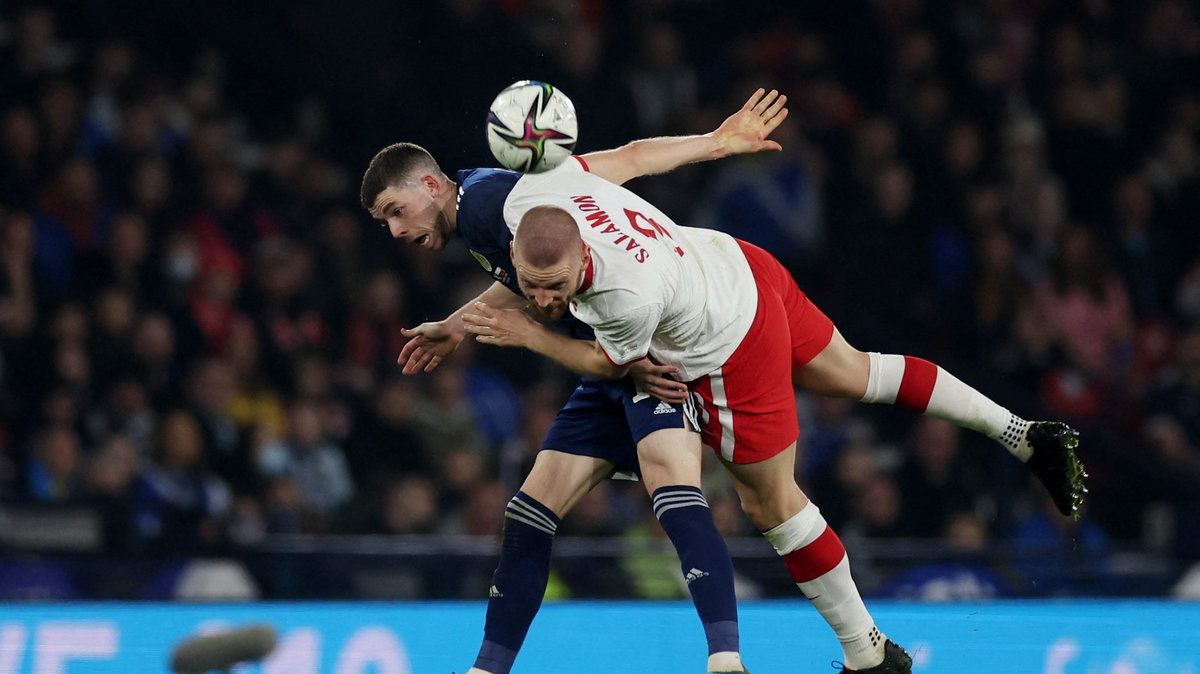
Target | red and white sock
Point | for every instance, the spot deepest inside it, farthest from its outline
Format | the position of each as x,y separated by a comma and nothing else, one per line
817,561
926,388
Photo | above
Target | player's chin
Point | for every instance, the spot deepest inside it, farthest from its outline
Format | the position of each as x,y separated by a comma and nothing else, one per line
551,313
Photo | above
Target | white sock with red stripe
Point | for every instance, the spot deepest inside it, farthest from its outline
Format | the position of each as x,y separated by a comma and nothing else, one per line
926,388
817,561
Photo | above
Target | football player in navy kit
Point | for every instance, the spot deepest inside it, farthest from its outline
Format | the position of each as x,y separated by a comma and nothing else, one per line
605,426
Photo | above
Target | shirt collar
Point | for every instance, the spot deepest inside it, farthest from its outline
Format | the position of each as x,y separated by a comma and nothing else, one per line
588,272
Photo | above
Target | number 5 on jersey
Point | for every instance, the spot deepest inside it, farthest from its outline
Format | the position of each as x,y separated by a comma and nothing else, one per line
652,231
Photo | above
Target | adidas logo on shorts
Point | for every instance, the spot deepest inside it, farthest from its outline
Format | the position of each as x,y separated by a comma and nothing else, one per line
664,408
694,574
493,592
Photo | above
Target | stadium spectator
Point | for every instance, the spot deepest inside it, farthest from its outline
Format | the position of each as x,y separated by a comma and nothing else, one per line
1062,557
177,505
108,486
386,440
937,479
409,507
125,410
55,464
965,576
1088,304
316,465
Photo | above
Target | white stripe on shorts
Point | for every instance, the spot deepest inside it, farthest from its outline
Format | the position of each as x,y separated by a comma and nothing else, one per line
689,413
724,414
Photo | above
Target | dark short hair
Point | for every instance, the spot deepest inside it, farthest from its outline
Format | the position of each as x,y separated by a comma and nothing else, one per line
392,166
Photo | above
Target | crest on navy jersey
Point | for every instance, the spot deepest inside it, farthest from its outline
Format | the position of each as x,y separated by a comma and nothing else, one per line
479,257
497,271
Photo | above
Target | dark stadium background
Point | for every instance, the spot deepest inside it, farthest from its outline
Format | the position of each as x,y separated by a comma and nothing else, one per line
198,324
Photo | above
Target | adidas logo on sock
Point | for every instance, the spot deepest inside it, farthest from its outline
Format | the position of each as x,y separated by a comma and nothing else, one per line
493,592
664,408
694,574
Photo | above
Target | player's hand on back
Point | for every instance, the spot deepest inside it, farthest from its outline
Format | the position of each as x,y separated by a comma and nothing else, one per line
501,327
747,129
427,345
657,381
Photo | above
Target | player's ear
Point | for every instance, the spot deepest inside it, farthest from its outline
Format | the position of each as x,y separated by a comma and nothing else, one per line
431,184
587,253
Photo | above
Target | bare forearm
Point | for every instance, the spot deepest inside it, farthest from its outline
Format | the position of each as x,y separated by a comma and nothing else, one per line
497,295
580,356
744,131
653,155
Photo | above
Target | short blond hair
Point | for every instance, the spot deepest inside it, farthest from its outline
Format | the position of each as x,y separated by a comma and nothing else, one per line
545,236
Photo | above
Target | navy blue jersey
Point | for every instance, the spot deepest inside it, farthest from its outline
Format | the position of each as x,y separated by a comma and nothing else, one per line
481,196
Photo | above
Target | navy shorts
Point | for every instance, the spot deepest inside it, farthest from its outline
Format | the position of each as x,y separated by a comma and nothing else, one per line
606,419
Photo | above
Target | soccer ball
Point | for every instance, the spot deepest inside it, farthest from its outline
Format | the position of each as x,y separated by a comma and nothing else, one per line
531,127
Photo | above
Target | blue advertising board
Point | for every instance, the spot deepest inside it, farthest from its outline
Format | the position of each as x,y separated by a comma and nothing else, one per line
1078,637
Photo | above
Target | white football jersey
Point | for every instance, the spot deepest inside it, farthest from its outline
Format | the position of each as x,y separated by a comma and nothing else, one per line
684,295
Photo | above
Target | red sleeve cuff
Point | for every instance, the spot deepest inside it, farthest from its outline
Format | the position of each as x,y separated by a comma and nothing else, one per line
582,163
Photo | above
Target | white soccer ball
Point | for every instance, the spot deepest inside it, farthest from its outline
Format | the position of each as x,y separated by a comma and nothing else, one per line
531,127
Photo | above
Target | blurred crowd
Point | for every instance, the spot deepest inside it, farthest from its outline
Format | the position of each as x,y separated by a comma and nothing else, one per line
198,326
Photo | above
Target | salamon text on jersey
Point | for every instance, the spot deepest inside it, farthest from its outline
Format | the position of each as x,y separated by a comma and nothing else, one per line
598,219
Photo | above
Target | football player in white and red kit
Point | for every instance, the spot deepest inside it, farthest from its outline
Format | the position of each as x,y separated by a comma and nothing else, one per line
733,321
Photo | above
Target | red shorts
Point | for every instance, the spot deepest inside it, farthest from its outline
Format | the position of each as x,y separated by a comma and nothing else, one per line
748,408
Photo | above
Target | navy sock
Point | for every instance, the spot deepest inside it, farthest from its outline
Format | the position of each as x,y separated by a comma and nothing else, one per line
519,582
685,516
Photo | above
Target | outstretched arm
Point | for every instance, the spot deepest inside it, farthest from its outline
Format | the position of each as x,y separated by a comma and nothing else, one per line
742,132
511,327
430,342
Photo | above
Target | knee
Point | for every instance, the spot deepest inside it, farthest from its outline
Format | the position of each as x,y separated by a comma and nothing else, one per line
854,369
839,371
758,509
670,457
753,509
849,376
769,509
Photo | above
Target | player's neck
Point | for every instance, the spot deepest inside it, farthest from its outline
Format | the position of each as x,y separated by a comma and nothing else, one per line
585,276
451,207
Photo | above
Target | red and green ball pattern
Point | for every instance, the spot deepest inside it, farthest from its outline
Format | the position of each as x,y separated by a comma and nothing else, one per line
531,136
